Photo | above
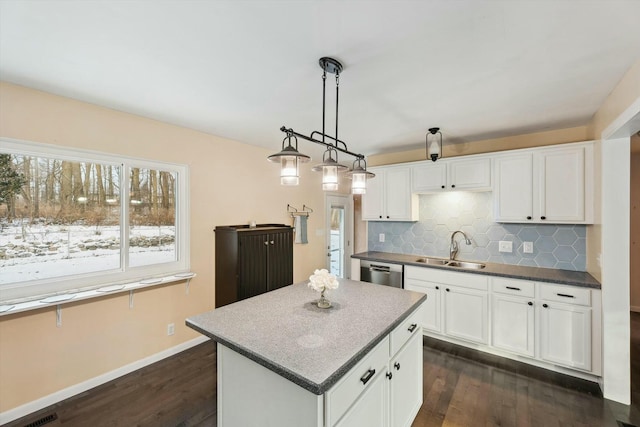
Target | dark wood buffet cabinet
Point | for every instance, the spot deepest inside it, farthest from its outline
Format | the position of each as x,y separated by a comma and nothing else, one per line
252,261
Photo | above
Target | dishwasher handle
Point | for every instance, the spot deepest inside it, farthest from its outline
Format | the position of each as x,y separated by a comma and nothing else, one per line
380,269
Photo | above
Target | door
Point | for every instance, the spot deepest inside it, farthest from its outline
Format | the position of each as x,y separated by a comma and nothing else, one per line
429,177
373,200
339,233
431,310
470,174
397,194
513,324
252,264
565,332
466,314
561,185
279,259
513,197
371,408
406,383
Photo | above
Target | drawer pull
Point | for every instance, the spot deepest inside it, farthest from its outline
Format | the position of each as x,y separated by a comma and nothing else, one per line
566,295
512,288
366,377
412,327
397,366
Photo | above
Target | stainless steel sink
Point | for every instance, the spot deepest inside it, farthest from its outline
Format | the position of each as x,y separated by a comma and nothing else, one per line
466,264
433,261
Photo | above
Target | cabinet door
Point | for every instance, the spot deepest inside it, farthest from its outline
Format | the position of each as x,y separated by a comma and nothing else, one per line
406,383
252,265
513,326
470,174
431,307
373,200
565,335
371,408
466,314
429,177
561,181
397,198
513,189
279,259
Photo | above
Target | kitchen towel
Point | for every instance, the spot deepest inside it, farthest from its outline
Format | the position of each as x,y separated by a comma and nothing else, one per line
300,225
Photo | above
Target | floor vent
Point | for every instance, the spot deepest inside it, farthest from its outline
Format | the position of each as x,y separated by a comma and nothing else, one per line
44,420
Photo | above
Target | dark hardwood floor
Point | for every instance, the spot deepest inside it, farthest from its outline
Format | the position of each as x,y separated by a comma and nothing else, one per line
462,387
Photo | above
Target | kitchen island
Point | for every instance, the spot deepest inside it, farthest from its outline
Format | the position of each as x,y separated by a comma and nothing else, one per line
282,361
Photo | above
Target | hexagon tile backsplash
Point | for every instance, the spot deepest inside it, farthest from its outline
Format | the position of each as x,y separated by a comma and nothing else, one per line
554,246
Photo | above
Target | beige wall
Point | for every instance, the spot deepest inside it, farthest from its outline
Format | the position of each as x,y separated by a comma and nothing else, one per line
634,256
97,336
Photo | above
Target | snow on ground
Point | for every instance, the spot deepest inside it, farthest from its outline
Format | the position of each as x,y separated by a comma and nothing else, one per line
39,251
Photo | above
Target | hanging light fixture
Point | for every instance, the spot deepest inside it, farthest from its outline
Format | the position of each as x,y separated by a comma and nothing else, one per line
329,166
359,175
289,159
434,144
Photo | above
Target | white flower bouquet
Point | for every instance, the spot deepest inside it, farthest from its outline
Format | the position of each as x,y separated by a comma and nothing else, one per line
322,281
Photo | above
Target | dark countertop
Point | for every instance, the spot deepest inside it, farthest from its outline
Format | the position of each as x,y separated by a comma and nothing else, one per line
286,332
538,274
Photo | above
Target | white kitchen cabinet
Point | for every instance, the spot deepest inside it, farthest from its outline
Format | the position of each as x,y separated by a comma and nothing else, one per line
389,197
371,408
431,314
406,383
468,174
466,314
565,326
545,185
513,316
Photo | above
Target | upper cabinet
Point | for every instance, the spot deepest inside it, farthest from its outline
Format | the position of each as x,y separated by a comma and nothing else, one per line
468,174
389,196
549,185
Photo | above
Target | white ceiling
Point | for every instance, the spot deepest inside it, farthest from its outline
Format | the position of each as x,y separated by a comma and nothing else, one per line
241,69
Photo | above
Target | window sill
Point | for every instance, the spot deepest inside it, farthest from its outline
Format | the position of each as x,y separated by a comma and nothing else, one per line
57,300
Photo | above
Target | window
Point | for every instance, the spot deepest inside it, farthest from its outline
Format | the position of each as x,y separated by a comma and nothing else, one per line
72,219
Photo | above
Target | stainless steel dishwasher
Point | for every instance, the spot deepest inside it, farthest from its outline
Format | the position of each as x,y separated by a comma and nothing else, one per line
381,273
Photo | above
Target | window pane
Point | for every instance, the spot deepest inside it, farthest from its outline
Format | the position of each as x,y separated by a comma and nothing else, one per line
152,217
57,218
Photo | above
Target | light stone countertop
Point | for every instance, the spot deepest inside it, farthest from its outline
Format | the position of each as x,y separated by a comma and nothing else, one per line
287,333
538,274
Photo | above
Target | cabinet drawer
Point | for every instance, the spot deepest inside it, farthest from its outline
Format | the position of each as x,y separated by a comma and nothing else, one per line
405,330
342,395
565,294
514,287
447,277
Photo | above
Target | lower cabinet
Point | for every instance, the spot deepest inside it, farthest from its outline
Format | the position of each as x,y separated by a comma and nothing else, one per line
466,313
548,324
384,388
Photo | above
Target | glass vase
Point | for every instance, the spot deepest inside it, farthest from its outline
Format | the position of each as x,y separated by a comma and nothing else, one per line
323,302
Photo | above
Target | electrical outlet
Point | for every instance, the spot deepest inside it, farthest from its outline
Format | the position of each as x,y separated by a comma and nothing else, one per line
505,246
381,237
527,247
171,329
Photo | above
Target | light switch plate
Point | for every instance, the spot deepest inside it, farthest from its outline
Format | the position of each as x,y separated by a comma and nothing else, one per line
527,247
381,237
505,246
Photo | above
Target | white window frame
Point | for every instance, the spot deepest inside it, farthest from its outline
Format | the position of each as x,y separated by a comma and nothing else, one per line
36,289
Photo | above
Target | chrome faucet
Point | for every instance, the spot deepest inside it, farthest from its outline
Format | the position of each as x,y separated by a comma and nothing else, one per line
453,248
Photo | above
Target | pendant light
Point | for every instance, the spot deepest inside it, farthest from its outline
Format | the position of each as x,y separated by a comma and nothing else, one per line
289,159
329,168
434,144
359,175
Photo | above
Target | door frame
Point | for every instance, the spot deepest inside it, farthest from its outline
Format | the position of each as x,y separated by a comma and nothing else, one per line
346,200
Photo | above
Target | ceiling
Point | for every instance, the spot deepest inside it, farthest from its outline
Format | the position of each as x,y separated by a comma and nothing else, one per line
241,69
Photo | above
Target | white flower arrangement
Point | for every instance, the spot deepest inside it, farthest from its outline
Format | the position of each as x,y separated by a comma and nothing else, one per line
322,280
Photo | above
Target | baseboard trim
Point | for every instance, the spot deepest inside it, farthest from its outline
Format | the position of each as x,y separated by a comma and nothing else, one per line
635,308
53,398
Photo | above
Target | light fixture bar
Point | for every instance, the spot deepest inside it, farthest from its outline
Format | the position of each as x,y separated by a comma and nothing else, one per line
326,144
